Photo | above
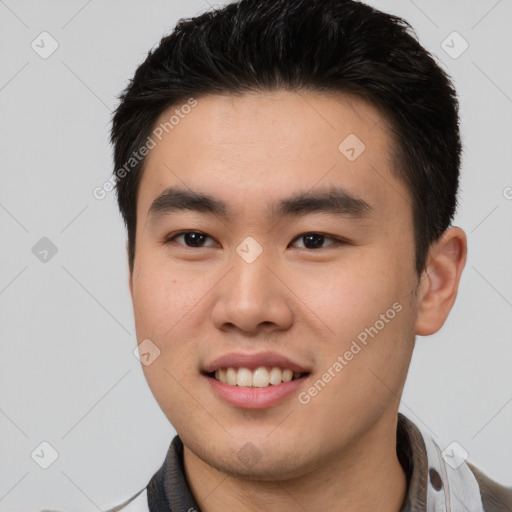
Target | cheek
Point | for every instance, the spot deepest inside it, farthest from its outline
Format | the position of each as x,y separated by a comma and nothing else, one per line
170,303
163,297
351,296
165,303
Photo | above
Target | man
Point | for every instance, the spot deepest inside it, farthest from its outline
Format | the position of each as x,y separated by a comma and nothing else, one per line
288,173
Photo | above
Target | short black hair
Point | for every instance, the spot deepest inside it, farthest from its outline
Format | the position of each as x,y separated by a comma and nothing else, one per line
340,46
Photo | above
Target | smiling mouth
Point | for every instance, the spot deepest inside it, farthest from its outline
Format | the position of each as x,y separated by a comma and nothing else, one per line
260,377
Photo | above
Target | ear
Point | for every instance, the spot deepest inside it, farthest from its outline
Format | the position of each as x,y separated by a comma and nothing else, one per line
440,280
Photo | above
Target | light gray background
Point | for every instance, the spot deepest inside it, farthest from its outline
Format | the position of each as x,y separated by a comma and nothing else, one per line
67,369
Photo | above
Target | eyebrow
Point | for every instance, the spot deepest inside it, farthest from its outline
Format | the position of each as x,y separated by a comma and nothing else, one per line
334,201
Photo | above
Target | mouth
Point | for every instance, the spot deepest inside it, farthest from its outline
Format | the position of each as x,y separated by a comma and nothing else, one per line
254,380
260,377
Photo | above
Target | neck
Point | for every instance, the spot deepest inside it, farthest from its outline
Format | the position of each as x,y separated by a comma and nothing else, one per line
365,478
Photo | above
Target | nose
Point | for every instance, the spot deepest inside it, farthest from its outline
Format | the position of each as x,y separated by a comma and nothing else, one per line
252,297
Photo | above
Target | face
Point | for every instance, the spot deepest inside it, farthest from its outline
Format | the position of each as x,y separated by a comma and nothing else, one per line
296,261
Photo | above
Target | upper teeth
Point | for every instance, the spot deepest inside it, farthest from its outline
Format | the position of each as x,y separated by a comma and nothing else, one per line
260,377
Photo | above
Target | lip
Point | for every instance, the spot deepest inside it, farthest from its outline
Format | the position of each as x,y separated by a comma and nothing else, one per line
253,361
255,398
249,397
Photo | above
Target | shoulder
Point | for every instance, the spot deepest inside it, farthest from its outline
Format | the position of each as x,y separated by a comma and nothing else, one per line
137,503
495,497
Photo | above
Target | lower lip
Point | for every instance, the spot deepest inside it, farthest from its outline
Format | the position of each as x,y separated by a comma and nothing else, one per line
255,398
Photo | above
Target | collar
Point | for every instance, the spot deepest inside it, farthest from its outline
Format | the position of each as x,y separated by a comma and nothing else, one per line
436,480
433,485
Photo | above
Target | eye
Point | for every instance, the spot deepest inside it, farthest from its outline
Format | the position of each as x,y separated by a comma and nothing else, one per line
197,239
190,238
316,240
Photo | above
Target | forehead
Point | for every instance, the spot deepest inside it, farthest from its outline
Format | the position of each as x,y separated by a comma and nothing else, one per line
256,148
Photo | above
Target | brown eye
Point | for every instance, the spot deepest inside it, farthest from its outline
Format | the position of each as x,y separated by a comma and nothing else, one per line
316,240
190,239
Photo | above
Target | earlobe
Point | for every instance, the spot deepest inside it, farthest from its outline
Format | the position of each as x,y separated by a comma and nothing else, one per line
440,281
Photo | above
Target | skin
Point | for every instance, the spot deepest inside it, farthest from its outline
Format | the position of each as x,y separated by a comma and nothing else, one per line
337,452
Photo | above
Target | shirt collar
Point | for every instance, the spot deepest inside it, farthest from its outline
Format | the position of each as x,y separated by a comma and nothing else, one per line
431,484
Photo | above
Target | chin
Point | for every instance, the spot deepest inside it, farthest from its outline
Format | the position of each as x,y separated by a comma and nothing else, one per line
266,466
251,460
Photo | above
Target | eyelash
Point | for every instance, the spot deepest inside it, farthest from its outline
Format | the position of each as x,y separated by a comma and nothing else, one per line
336,240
